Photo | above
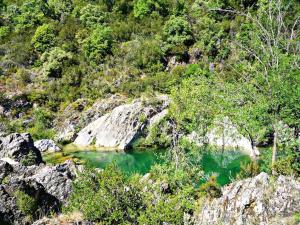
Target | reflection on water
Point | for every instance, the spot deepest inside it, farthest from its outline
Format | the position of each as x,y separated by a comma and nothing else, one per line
225,165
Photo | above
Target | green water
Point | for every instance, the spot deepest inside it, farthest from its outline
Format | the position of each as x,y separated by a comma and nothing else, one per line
225,166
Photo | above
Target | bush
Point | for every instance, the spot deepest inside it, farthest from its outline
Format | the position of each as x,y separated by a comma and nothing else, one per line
4,32
92,15
98,45
109,197
30,15
42,128
106,197
172,190
26,203
28,159
143,8
44,38
55,61
177,34
249,170
60,8
211,188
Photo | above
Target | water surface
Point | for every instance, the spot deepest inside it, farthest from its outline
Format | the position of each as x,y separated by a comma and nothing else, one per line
225,165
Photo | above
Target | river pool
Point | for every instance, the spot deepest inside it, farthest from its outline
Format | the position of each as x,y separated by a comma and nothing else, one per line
225,165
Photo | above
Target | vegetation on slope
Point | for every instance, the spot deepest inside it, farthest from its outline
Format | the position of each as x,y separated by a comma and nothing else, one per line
231,59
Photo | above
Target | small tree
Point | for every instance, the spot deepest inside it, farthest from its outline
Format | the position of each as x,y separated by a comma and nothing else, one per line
177,34
143,8
60,8
269,40
55,61
98,44
92,15
31,14
44,38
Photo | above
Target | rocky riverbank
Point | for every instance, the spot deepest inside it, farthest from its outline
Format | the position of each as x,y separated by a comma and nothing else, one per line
27,185
259,200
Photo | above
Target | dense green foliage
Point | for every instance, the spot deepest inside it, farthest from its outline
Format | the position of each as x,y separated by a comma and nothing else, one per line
230,59
110,197
227,60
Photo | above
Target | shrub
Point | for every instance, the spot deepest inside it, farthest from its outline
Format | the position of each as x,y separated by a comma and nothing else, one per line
44,38
4,32
211,188
109,197
92,15
26,203
177,34
297,217
171,192
42,128
30,15
55,61
143,8
24,76
60,8
28,159
249,170
106,196
98,45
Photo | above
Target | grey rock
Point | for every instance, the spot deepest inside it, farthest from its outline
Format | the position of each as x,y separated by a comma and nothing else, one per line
8,209
5,169
71,221
256,200
118,129
46,145
158,117
57,180
19,147
75,118
225,134
48,185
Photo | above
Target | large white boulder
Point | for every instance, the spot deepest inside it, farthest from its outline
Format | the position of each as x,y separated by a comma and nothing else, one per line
119,128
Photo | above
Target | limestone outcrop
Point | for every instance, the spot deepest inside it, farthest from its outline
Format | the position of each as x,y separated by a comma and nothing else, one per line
47,145
78,115
118,129
22,171
20,147
259,200
224,134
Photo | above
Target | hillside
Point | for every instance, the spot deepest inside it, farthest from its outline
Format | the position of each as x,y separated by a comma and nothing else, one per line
180,77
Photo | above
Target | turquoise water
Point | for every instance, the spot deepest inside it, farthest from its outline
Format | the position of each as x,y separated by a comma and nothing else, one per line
225,166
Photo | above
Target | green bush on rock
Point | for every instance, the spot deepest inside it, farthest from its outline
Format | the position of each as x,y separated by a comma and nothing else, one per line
26,203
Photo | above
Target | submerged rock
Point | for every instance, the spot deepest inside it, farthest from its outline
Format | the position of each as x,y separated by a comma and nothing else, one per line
20,147
46,145
257,200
